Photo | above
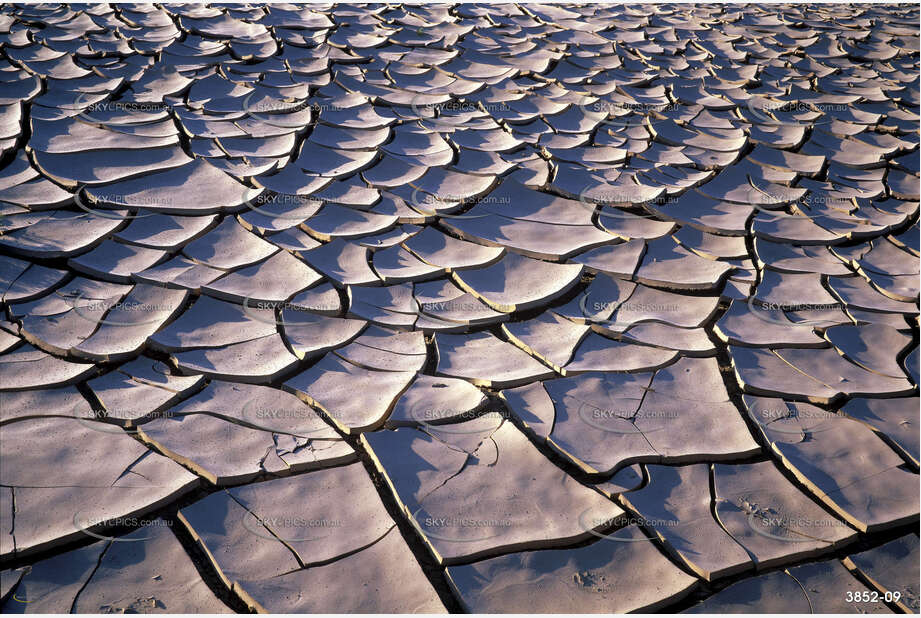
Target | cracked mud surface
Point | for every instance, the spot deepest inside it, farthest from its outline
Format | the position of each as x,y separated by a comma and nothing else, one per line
459,308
